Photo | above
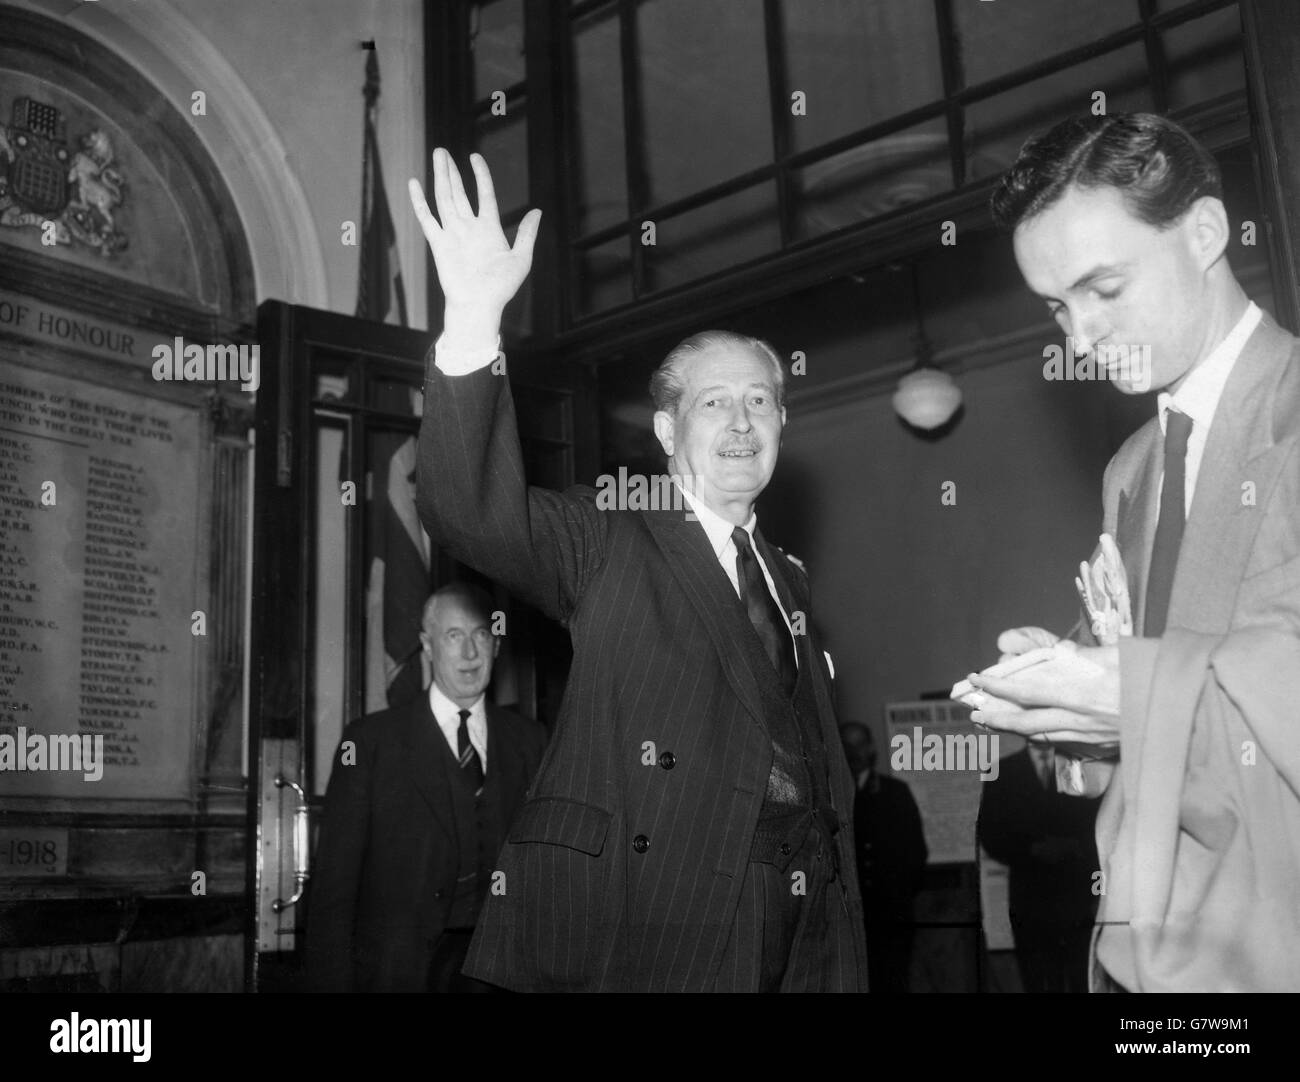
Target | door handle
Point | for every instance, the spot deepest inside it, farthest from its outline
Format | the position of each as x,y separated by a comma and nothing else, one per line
301,835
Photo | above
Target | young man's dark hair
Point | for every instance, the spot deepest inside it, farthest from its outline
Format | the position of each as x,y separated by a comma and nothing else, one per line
1159,167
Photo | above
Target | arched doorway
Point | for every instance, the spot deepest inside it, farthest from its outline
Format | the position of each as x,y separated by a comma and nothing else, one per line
124,539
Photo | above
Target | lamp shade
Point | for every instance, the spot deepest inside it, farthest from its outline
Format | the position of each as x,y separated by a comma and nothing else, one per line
926,398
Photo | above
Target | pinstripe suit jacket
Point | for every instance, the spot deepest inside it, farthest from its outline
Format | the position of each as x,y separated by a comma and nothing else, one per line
663,734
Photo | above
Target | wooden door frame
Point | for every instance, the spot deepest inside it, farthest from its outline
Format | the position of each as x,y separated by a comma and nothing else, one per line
283,571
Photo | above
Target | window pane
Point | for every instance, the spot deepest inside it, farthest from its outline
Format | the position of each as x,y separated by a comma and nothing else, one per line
704,93
329,662
599,174
857,63
999,37
395,573
604,277
871,180
998,126
1204,58
396,396
496,36
716,237
503,142
335,374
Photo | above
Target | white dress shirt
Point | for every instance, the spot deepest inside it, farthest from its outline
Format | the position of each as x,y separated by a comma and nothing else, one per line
447,714
1199,395
719,530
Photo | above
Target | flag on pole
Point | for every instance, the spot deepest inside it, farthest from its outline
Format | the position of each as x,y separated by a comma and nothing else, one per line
397,549
379,288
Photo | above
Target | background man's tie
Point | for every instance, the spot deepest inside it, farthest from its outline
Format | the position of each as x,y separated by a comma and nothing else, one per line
469,760
759,603
1169,527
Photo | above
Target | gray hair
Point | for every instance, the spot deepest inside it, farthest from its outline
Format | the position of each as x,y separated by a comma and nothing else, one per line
667,385
474,599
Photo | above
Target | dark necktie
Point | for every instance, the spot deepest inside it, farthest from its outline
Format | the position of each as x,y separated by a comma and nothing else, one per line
469,760
1169,527
763,613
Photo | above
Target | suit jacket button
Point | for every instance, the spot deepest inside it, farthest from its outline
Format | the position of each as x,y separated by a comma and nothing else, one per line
785,849
438,895
640,843
668,760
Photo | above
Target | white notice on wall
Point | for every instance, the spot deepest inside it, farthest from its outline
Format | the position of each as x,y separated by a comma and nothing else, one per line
942,756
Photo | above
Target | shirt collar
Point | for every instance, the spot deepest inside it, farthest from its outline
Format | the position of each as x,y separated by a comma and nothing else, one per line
717,527
443,707
1198,397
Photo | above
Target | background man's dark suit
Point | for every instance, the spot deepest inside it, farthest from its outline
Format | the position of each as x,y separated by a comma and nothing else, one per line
1046,840
387,862
625,868
891,871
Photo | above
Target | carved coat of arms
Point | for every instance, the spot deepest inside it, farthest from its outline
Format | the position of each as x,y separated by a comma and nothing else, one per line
68,195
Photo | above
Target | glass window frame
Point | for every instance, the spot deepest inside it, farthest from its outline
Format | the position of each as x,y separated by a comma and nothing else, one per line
549,50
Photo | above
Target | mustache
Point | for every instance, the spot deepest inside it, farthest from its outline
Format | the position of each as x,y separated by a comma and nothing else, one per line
743,445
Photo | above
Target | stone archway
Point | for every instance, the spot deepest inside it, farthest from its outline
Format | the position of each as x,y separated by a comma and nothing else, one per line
164,48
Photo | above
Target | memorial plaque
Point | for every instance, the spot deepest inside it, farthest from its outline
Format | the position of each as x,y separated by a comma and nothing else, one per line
33,851
100,505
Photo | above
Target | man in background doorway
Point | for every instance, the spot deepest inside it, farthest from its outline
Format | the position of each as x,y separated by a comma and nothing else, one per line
416,811
1045,838
891,855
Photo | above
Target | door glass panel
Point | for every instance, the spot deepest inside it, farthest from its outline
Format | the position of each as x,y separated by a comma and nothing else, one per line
503,142
716,237
997,127
598,169
328,689
604,277
857,64
335,377
496,45
704,93
868,181
1203,59
997,38
395,572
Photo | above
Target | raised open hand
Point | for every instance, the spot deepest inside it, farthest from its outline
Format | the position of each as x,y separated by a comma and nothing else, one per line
477,268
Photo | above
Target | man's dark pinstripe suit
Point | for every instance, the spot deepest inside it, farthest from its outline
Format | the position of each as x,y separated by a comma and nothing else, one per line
626,866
